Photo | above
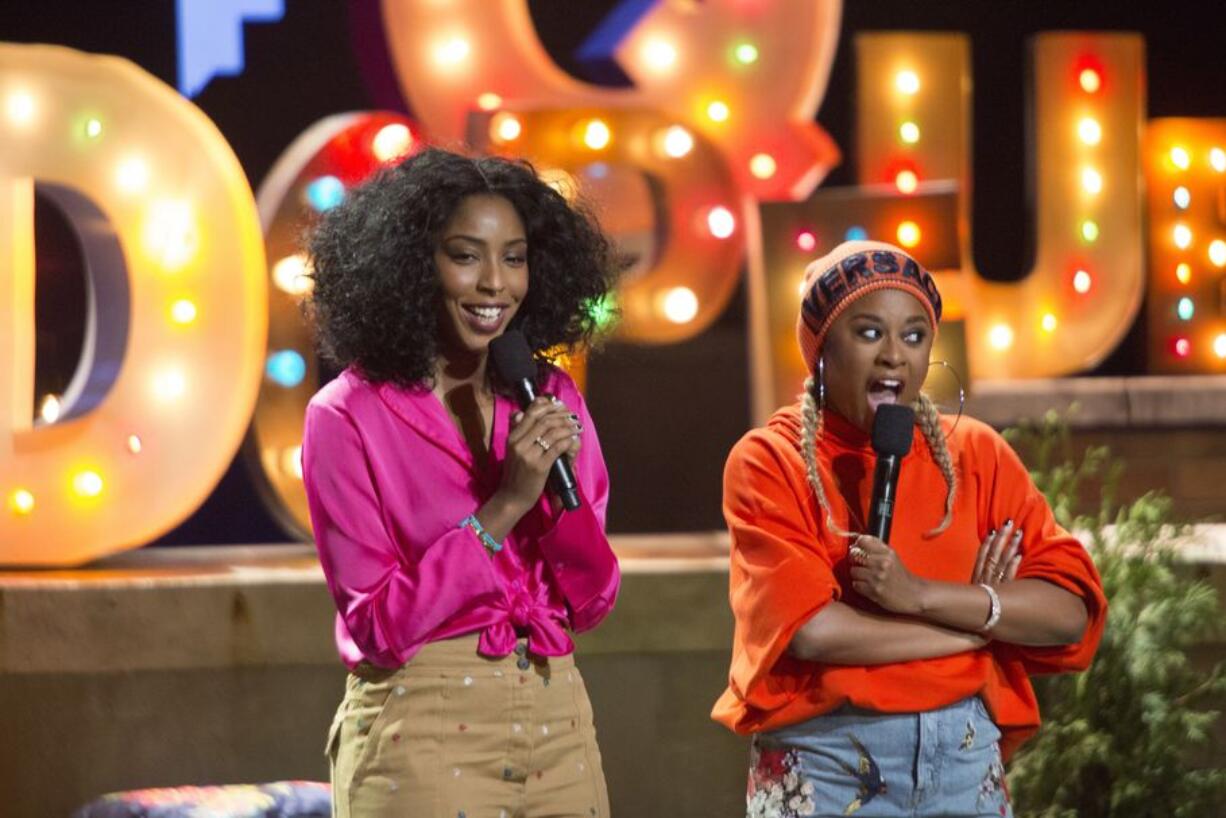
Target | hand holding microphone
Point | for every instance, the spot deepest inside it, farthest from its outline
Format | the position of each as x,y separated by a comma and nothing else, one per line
544,434
877,573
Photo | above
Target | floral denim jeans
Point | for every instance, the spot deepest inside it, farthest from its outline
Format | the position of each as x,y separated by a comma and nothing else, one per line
944,762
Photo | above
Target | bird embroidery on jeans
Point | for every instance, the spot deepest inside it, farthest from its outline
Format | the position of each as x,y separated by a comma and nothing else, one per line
867,773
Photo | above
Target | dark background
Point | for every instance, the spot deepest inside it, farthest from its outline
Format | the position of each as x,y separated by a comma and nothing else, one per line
667,415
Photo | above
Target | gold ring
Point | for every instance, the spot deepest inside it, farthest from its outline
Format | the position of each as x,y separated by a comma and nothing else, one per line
540,441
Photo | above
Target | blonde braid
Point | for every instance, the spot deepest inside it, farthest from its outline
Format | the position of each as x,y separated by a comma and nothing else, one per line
811,429
929,420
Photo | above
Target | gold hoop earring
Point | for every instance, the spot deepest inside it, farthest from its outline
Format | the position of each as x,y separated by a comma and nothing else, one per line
961,393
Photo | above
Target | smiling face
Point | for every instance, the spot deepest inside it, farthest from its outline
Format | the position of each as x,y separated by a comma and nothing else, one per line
482,263
876,352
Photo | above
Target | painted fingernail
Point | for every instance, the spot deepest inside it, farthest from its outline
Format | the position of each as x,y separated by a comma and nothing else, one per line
518,417
573,416
1009,522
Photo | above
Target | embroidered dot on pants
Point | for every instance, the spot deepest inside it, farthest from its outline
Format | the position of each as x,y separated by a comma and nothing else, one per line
393,786
544,729
399,690
468,680
455,771
517,727
581,767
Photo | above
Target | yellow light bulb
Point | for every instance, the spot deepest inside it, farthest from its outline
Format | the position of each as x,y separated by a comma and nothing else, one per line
721,222
1090,131
291,275
1183,272
1217,159
505,127
1082,282
1182,235
1091,181
676,142
659,54
909,234
1089,230
392,142
489,101
1217,253
21,108
762,165
49,409
21,502
680,305
718,111
93,128
596,134
746,53
135,446
1180,158
907,82
909,132
450,53
1090,80
132,175
183,311
169,385
906,181
1219,345
1001,337
87,484
1049,322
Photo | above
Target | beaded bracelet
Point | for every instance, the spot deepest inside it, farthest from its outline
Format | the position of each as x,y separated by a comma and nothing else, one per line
994,612
492,545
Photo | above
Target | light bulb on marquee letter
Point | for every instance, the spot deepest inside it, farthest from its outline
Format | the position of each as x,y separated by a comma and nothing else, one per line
152,234
1186,233
1078,124
697,196
346,147
676,54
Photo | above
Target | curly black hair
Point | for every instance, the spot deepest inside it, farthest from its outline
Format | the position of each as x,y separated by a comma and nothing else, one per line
375,301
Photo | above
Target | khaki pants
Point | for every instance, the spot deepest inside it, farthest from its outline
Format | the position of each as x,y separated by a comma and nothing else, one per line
453,734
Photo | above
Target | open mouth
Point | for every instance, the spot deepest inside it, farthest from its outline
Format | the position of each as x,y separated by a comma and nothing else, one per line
484,317
882,391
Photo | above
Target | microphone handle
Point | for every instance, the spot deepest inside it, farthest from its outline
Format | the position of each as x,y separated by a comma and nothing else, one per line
561,480
885,487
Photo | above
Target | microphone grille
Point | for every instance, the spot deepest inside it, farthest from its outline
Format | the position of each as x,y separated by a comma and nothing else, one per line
512,358
892,429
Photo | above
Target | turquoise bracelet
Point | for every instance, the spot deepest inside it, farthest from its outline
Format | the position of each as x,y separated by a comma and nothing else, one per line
492,545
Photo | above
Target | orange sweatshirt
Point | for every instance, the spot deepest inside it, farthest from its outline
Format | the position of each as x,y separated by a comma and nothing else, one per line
786,565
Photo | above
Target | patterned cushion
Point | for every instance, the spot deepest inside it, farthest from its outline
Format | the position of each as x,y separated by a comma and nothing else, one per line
283,799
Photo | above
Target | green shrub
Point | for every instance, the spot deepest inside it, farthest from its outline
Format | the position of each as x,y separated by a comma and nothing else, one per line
1126,738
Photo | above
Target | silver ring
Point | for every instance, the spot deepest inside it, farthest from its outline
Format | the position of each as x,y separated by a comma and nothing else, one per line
540,441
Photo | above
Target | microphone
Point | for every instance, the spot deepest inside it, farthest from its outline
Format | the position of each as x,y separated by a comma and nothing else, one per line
892,431
514,364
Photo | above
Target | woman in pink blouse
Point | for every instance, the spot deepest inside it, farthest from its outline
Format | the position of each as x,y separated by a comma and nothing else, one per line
456,574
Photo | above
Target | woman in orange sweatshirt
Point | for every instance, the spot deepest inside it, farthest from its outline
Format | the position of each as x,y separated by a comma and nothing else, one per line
889,680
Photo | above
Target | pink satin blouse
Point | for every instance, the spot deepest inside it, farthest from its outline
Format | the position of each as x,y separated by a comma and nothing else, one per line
388,479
